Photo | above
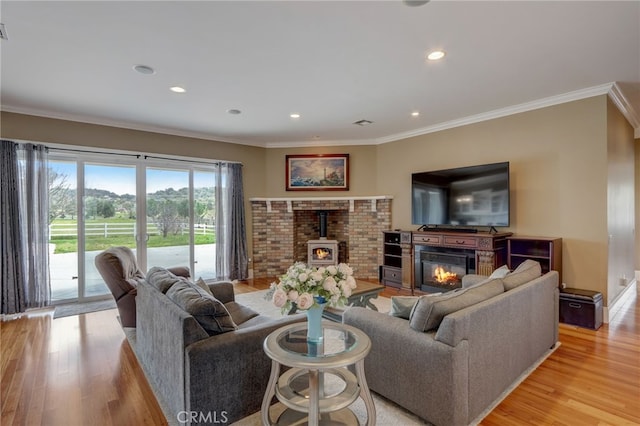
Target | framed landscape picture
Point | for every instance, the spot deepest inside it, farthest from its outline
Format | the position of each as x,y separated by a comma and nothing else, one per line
317,172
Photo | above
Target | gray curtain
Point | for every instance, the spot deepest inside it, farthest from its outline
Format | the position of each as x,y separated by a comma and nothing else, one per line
231,243
24,229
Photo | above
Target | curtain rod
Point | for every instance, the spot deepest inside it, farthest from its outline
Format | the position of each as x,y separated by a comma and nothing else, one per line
212,162
93,152
145,157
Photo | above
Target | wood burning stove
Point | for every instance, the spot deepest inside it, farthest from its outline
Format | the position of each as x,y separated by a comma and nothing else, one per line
322,252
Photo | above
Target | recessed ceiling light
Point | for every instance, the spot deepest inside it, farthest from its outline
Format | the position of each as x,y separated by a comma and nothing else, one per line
234,111
178,89
415,2
363,122
435,55
144,69
294,115
415,113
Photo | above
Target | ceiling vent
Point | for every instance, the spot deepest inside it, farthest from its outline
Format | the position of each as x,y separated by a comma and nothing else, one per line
3,32
363,122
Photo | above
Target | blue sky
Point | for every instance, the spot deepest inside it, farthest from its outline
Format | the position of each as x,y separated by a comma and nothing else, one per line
122,179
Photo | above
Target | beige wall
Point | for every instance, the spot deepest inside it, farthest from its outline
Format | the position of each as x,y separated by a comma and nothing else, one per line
46,130
558,177
637,198
621,204
558,158
362,176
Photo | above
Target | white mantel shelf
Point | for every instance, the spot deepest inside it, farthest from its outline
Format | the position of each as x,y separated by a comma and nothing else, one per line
352,200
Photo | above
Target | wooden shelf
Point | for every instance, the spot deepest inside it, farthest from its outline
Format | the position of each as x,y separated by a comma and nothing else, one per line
395,270
547,251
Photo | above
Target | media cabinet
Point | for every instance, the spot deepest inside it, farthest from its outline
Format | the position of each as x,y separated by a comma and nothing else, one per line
404,254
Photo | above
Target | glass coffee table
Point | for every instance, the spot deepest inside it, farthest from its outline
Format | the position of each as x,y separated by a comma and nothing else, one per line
318,388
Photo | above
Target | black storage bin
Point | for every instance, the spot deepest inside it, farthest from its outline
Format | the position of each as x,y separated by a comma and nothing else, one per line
581,307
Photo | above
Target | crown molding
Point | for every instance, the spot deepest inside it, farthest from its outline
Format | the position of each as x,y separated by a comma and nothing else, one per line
626,107
503,112
303,144
611,89
125,125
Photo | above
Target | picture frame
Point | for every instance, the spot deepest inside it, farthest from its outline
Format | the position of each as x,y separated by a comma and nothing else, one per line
317,172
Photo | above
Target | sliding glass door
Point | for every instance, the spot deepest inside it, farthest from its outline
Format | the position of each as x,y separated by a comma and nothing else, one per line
204,201
164,213
168,212
109,219
63,229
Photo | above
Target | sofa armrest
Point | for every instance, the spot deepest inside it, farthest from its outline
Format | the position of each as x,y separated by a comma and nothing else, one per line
180,271
223,291
404,365
229,372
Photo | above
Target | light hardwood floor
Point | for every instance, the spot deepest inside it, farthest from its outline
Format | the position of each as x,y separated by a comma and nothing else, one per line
81,370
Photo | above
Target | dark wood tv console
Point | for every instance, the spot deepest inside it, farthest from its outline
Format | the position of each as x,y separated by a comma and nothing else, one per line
402,251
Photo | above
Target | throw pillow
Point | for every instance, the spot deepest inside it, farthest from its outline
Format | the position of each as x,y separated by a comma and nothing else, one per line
500,272
525,272
203,285
429,311
210,313
161,278
401,306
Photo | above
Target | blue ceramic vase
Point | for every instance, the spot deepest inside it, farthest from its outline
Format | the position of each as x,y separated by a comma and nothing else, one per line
314,320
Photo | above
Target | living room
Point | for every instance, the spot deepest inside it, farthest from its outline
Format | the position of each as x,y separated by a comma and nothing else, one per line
574,163
548,176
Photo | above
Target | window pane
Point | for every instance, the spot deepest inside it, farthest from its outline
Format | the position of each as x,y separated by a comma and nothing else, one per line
110,216
167,217
204,227
63,230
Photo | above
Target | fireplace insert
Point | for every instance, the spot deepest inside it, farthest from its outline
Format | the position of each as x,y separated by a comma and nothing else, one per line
322,252
440,271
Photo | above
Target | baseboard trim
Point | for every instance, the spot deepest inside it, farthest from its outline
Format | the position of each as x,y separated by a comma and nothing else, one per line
611,310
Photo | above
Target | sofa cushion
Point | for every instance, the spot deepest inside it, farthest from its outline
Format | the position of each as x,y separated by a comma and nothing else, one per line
161,278
401,306
525,272
430,310
210,313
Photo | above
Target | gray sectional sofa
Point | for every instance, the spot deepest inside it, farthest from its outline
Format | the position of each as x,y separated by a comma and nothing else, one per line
201,350
460,351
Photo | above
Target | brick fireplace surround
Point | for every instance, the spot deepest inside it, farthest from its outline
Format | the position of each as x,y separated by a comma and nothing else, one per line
282,227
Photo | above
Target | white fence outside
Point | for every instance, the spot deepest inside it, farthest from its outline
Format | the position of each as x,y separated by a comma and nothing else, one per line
111,229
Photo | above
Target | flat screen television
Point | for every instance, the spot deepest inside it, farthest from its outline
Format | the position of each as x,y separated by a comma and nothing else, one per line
464,197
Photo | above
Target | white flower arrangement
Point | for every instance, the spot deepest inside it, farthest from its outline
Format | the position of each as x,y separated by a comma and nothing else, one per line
306,286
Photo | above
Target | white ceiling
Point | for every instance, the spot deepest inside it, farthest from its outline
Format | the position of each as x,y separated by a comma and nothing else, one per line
333,62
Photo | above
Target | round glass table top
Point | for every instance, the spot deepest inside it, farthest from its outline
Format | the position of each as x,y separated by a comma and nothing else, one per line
341,345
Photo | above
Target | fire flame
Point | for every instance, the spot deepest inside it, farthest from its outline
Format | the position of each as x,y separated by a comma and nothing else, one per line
322,253
443,276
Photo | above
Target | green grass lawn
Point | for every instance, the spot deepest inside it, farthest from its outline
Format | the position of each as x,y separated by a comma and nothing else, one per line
66,244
